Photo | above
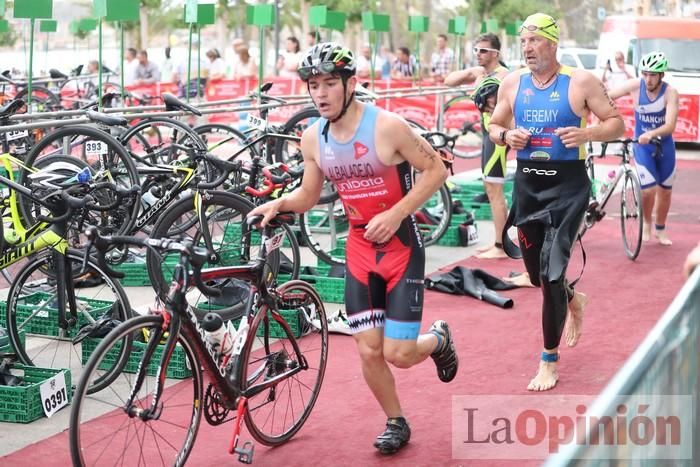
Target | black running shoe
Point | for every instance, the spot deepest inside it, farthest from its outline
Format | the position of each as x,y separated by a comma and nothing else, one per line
396,436
445,357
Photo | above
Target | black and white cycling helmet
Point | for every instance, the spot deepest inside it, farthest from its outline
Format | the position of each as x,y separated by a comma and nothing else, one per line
57,175
324,58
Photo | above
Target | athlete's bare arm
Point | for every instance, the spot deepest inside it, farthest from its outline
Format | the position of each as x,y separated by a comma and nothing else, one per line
466,76
306,196
502,116
671,118
588,94
628,87
396,142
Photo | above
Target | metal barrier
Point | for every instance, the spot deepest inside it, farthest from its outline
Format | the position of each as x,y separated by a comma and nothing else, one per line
59,118
665,363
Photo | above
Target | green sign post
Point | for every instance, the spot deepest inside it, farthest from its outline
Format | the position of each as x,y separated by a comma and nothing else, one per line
47,26
458,27
418,25
261,16
321,17
206,14
117,11
191,12
32,10
376,23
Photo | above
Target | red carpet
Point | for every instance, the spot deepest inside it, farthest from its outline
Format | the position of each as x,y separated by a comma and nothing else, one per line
498,355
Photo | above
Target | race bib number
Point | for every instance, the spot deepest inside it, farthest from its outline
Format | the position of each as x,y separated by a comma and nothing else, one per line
16,134
274,242
257,122
95,148
54,394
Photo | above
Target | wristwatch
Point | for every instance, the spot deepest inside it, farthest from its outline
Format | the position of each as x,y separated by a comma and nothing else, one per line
503,136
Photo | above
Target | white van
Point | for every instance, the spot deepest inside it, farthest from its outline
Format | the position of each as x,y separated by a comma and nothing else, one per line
679,39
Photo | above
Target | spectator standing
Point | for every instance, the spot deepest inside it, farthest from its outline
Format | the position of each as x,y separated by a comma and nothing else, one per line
217,66
147,72
405,64
130,66
364,63
442,59
289,60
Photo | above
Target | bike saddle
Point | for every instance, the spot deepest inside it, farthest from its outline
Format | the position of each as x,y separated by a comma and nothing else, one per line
173,103
108,120
11,108
55,74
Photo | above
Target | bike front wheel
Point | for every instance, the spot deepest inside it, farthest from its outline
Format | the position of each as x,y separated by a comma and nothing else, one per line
104,430
631,217
297,362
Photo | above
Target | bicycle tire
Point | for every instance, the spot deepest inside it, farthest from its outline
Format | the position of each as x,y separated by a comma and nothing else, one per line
226,217
164,157
631,208
262,346
30,309
439,207
116,167
290,154
92,416
45,99
217,136
321,232
470,134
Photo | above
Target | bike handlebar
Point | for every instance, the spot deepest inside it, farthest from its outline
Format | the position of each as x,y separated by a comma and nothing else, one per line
197,256
626,142
72,203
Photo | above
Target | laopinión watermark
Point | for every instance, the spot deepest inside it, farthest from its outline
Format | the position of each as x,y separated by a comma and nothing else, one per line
539,425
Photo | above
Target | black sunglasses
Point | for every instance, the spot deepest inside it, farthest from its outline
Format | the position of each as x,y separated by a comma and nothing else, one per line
306,72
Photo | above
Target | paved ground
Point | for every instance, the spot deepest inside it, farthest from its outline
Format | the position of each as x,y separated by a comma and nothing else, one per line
14,437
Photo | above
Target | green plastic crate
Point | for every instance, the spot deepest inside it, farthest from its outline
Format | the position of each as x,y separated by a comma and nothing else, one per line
177,368
449,238
331,289
135,274
47,323
7,348
22,404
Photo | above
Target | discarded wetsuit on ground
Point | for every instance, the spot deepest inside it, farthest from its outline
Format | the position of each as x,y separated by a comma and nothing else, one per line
476,283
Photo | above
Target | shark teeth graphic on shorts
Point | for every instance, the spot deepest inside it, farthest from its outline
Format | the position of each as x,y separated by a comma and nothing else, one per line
365,320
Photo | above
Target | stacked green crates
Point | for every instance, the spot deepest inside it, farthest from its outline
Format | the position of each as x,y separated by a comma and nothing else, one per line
45,316
178,368
22,404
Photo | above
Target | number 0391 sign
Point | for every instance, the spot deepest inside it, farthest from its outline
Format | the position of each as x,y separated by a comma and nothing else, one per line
54,394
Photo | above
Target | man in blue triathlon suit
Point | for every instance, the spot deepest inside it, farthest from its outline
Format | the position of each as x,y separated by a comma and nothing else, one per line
655,115
550,104
487,49
368,154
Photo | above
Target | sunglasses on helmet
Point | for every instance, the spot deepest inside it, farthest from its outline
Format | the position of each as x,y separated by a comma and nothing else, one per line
306,72
533,28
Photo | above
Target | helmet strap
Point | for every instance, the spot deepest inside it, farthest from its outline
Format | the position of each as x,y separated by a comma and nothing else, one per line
347,101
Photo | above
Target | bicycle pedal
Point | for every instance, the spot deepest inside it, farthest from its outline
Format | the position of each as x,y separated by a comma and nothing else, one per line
245,454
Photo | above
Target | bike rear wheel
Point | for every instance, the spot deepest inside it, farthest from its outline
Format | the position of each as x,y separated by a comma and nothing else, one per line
276,413
468,142
631,217
33,310
101,430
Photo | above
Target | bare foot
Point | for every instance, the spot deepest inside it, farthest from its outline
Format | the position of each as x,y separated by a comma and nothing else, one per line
492,253
521,280
546,377
663,238
484,248
574,319
646,233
